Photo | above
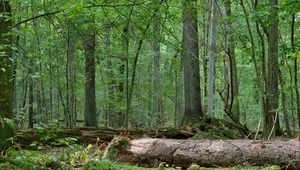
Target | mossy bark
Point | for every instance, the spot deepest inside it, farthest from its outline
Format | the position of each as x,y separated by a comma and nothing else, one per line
6,85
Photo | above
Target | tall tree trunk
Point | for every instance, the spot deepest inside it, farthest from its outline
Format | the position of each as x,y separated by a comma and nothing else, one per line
283,103
270,118
70,113
6,70
179,107
295,68
211,88
37,57
90,115
30,95
233,106
17,119
156,72
190,57
112,115
205,45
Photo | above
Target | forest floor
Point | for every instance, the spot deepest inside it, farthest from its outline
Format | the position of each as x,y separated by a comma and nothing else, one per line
48,150
84,158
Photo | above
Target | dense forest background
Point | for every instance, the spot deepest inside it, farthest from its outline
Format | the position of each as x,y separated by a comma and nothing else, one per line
151,63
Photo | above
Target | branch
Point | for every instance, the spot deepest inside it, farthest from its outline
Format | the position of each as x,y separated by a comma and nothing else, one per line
59,11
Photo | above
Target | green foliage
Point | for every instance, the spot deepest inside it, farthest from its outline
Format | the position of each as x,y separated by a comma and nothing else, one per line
42,48
212,128
108,165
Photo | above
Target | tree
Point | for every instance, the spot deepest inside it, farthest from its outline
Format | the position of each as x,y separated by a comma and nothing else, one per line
70,111
190,58
211,88
295,66
6,70
156,72
232,104
271,116
90,115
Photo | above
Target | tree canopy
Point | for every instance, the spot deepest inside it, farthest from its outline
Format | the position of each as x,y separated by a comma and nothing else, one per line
151,63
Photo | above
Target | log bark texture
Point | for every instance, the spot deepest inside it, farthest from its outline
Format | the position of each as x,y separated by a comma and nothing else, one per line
211,153
25,137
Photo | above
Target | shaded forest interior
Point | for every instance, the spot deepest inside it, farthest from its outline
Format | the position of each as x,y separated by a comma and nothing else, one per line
87,70
117,65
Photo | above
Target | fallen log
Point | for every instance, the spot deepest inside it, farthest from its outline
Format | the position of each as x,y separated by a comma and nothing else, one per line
206,153
25,137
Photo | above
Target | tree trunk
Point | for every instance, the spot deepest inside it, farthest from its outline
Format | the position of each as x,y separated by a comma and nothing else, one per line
111,114
283,103
89,135
232,104
30,96
205,45
156,73
295,68
6,70
270,118
179,107
211,88
190,57
90,115
70,113
207,153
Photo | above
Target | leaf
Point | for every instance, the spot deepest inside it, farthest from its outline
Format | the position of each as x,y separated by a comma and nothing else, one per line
54,159
33,144
9,122
72,161
10,139
74,139
84,157
40,129
18,158
3,69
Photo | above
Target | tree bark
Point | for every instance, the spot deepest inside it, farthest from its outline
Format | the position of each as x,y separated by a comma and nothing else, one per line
190,58
89,135
283,103
6,70
270,118
208,153
90,115
211,87
205,34
156,72
295,68
70,113
111,115
232,103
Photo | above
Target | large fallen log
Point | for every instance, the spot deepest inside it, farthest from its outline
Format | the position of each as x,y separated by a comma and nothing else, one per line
25,137
207,153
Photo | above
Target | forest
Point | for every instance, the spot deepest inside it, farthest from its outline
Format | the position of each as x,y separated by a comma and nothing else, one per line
109,76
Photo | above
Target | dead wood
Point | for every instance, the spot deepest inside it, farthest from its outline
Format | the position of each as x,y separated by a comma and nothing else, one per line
25,137
207,153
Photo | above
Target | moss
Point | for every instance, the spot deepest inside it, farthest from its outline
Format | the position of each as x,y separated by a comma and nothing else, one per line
6,132
16,164
105,164
230,134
